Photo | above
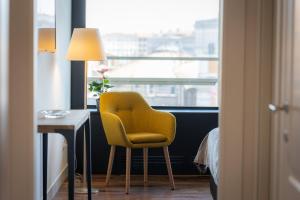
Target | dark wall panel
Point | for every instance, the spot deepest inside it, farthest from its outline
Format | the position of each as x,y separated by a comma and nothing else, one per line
191,129
77,68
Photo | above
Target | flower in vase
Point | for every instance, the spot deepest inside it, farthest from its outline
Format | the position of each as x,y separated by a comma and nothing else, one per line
102,72
102,85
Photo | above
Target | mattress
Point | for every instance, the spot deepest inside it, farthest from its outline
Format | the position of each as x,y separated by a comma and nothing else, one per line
208,154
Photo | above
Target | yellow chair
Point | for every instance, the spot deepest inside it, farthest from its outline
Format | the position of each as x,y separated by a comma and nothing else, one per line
130,122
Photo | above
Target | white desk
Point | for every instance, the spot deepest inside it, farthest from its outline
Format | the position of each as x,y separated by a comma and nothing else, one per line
68,127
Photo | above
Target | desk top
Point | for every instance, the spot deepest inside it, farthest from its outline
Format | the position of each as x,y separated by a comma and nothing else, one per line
73,121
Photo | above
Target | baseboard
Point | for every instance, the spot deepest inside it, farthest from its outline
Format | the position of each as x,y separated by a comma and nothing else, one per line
55,186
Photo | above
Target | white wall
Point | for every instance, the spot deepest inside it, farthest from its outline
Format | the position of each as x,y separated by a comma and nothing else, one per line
53,87
25,87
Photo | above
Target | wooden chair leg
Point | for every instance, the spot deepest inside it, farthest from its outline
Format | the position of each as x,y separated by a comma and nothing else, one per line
128,166
145,151
169,167
110,163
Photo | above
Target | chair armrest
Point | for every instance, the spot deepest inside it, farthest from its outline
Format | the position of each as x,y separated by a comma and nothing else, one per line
164,123
114,130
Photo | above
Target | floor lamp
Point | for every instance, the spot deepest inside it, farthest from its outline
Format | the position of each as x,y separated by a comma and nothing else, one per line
85,45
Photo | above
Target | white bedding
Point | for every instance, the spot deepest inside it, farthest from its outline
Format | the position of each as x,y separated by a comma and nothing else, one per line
208,153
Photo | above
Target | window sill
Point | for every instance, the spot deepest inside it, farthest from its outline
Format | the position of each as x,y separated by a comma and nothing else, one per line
179,110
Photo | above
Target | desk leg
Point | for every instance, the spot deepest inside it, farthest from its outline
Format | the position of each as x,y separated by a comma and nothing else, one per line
88,158
70,137
45,164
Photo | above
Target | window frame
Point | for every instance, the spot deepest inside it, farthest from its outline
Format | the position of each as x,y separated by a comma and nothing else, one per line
78,20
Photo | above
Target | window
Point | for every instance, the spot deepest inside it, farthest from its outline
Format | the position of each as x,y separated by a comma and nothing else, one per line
166,50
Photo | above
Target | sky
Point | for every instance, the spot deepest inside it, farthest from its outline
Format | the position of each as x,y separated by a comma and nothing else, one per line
148,16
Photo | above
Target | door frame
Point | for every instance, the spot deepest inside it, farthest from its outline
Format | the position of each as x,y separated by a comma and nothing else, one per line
18,120
4,66
282,68
246,85
276,100
246,90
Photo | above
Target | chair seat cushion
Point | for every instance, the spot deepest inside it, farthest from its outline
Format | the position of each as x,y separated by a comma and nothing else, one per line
138,138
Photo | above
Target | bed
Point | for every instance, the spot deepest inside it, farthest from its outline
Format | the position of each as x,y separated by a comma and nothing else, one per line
207,158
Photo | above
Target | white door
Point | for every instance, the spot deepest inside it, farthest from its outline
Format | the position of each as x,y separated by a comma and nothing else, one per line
287,118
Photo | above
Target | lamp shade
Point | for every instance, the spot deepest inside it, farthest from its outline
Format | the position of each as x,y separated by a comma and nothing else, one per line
46,39
86,45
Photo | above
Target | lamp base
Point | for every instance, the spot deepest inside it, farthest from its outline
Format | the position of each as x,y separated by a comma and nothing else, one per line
84,190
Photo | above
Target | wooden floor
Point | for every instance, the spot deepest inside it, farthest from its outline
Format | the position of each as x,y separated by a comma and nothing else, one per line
158,189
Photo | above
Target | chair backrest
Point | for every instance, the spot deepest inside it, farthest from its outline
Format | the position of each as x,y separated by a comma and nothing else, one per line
130,107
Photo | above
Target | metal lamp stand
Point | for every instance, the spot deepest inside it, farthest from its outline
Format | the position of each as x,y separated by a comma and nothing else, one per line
83,188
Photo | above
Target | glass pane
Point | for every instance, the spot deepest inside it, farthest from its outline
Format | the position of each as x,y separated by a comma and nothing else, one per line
172,95
177,31
156,69
150,27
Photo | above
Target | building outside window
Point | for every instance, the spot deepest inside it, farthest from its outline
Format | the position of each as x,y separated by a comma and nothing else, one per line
166,50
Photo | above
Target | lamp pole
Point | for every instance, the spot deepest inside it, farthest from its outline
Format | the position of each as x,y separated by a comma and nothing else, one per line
83,189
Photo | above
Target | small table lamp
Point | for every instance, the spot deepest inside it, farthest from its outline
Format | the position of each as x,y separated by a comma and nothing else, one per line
46,41
86,45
